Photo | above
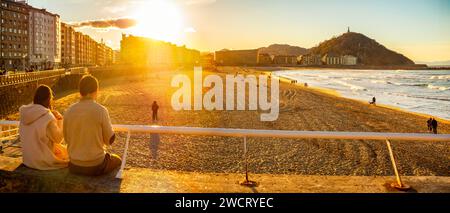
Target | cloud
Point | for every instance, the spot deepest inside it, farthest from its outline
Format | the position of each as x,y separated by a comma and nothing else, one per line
121,23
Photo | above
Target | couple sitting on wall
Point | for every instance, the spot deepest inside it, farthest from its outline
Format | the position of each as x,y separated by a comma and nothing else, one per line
85,128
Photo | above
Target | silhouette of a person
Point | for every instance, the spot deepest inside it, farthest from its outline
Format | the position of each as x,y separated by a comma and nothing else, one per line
430,128
155,108
434,125
374,100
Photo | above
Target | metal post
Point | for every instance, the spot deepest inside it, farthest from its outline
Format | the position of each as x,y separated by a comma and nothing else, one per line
399,184
124,157
247,182
245,156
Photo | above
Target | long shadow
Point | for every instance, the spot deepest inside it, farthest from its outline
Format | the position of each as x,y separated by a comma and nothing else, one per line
154,144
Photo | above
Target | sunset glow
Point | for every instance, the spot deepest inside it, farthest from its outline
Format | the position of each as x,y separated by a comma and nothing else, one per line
160,20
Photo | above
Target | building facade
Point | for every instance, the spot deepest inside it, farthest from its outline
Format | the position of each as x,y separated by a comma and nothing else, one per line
310,60
104,55
86,51
331,59
116,57
14,35
264,59
349,60
33,38
67,45
237,57
143,51
207,60
334,59
285,59
45,39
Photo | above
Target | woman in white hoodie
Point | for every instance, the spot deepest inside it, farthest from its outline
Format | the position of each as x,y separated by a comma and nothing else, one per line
41,134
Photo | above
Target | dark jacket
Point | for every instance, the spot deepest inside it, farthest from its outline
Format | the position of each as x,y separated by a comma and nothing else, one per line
155,107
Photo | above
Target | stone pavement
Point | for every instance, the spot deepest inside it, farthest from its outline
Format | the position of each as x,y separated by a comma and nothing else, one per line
162,181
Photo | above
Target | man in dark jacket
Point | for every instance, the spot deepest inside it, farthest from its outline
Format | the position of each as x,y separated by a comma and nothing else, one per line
155,108
430,128
434,125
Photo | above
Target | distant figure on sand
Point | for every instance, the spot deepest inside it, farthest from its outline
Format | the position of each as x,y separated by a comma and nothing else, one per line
430,128
434,125
155,108
374,101
306,84
87,129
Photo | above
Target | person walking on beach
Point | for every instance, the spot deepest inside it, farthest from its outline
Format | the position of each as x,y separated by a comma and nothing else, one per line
40,131
87,129
434,125
430,128
155,108
374,100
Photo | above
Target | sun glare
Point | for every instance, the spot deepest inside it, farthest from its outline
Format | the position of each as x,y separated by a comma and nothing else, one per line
160,20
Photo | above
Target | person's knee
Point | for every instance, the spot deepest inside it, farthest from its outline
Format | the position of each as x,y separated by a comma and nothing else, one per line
116,160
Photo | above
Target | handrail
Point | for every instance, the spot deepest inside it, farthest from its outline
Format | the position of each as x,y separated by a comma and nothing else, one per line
271,133
12,79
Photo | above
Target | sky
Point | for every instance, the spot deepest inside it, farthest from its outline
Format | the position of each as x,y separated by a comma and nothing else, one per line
419,29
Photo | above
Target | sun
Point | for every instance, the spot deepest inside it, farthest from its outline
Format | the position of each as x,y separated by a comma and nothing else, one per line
158,19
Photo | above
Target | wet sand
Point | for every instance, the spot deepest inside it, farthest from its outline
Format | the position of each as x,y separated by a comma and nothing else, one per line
129,101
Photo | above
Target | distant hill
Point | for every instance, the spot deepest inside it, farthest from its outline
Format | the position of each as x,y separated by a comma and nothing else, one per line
368,51
283,49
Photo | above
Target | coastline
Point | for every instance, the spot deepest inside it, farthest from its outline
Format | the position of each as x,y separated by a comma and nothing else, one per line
290,67
337,94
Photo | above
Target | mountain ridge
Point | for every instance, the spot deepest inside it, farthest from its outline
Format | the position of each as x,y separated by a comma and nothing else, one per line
367,50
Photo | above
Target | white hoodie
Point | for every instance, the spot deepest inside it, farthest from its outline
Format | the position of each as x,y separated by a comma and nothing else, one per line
39,133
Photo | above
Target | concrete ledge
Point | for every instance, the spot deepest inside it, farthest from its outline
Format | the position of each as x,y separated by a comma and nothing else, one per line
24,179
155,181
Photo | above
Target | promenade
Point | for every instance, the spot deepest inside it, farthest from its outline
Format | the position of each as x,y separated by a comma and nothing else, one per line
129,100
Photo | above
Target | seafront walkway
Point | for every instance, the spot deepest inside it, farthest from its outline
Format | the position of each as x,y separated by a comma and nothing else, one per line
8,80
20,178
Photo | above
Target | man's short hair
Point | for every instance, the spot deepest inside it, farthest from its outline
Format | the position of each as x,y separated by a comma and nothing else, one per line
88,84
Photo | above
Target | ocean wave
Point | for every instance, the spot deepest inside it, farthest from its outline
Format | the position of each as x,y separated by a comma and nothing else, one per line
434,98
441,77
352,86
416,96
378,82
408,84
442,88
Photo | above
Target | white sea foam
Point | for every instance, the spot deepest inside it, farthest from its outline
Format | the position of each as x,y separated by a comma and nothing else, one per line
378,81
414,90
431,86
440,77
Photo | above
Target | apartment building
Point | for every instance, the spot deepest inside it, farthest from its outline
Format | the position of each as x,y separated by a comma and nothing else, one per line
14,26
149,52
44,39
67,45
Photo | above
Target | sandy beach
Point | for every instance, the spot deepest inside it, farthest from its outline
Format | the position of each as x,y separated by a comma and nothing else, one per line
129,101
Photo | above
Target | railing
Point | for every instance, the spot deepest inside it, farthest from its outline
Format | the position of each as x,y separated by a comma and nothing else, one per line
6,80
244,133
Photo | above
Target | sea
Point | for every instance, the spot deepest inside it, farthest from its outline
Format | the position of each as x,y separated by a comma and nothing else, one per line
421,91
